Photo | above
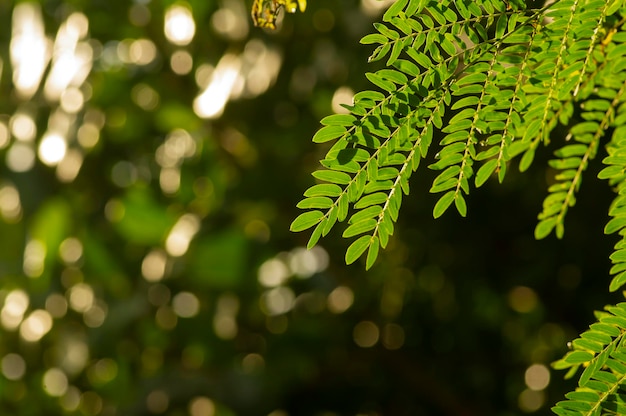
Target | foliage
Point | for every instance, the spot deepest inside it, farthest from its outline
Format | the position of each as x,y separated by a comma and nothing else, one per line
496,80
148,269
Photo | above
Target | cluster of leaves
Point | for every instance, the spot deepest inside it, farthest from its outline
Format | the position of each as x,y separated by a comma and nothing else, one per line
601,350
494,80
265,12
491,80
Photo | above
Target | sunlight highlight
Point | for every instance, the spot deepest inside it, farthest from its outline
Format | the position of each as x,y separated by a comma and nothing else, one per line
179,26
277,301
34,257
181,62
231,20
224,320
56,305
153,265
273,272
340,299
38,324
30,49
201,406
15,306
81,297
23,126
52,149
537,377
211,102
20,157
374,8
343,95
13,366
10,205
366,334
72,59
55,382
185,304
181,235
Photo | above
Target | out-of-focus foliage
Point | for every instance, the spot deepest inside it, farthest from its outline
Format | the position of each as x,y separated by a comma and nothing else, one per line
264,13
152,153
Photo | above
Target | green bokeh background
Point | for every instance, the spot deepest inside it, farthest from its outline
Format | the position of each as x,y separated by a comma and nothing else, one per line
450,285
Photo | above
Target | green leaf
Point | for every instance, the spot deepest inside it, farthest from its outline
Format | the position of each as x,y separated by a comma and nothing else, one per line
372,170
369,212
315,235
544,227
342,206
614,225
474,78
332,176
471,100
306,220
407,67
394,76
360,227
373,38
394,9
372,253
328,133
618,281
501,27
368,95
583,396
323,189
371,199
461,206
315,202
380,82
357,248
443,204
338,120
485,171
578,357
331,219
610,172
527,160
389,33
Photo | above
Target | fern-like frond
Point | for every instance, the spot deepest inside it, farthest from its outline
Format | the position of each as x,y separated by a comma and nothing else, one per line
562,53
493,80
588,85
440,57
600,350
615,172
573,159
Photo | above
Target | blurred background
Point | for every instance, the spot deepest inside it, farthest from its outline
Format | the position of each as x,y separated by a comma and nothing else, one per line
151,156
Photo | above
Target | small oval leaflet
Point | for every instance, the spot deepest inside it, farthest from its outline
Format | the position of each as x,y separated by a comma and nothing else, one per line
306,220
328,133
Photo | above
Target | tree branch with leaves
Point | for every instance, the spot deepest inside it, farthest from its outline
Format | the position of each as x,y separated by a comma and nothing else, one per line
479,86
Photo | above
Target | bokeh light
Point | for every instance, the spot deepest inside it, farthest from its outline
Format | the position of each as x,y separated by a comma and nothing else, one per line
179,24
55,382
30,48
185,304
201,406
366,334
13,366
340,299
36,325
52,149
537,377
